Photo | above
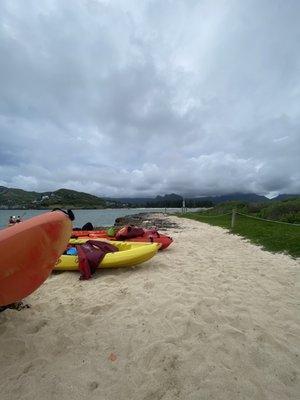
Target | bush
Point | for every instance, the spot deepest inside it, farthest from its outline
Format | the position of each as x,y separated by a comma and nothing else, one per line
285,211
228,206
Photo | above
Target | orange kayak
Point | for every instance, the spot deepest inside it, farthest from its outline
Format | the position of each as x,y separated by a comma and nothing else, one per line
99,234
28,253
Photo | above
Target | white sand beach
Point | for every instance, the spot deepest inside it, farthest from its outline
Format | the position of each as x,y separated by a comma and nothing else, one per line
212,317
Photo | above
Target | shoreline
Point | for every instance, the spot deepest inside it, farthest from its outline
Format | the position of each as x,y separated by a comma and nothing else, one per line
213,316
147,220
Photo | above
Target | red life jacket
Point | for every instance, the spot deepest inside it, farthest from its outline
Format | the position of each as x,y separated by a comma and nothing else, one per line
90,255
129,232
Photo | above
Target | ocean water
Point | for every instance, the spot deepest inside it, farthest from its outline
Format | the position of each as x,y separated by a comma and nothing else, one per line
96,217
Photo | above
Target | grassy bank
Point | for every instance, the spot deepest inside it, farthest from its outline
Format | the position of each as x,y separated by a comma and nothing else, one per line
270,235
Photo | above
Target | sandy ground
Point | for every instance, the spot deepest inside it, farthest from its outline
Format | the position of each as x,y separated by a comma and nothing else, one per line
212,317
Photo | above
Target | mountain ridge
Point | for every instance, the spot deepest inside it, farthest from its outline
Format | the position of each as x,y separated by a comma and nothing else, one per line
19,198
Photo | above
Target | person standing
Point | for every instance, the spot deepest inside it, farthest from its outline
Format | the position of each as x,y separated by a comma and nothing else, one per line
12,220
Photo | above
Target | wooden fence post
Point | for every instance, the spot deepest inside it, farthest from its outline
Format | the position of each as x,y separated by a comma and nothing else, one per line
233,218
183,206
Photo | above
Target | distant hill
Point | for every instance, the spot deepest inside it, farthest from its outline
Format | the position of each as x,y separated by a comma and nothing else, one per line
10,197
131,201
245,197
145,201
175,200
168,197
73,198
283,197
18,198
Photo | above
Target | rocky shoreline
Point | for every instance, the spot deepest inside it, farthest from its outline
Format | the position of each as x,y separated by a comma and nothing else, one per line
147,220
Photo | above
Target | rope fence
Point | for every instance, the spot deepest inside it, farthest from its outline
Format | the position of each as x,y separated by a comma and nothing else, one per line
267,220
219,215
233,214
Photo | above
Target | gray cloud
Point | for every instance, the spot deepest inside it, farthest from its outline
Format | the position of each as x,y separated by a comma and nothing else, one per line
140,98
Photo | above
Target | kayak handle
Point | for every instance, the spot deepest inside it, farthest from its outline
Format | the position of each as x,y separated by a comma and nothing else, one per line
69,213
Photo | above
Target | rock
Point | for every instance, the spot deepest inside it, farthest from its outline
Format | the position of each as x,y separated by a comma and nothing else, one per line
146,220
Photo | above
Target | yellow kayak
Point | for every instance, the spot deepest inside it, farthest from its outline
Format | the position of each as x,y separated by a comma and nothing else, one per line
130,254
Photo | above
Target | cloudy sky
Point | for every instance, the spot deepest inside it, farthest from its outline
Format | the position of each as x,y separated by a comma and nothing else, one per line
147,97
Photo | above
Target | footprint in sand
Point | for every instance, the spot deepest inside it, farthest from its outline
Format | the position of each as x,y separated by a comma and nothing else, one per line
93,386
37,364
13,348
37,327
149,285
109,280
124,290
28,368
2,329
99,309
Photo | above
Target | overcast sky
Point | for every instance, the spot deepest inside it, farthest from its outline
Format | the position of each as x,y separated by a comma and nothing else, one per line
147,97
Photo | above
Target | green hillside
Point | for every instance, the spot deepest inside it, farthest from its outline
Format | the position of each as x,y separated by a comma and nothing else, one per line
72,198
18,198
11,197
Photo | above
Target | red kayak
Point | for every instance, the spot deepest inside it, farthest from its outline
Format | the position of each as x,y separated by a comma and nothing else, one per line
79,234
29,251
144,235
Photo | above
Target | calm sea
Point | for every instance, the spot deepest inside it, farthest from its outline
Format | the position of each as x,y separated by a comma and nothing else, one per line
96,217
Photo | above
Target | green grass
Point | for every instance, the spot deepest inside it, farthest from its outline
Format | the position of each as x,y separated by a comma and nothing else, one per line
271,236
